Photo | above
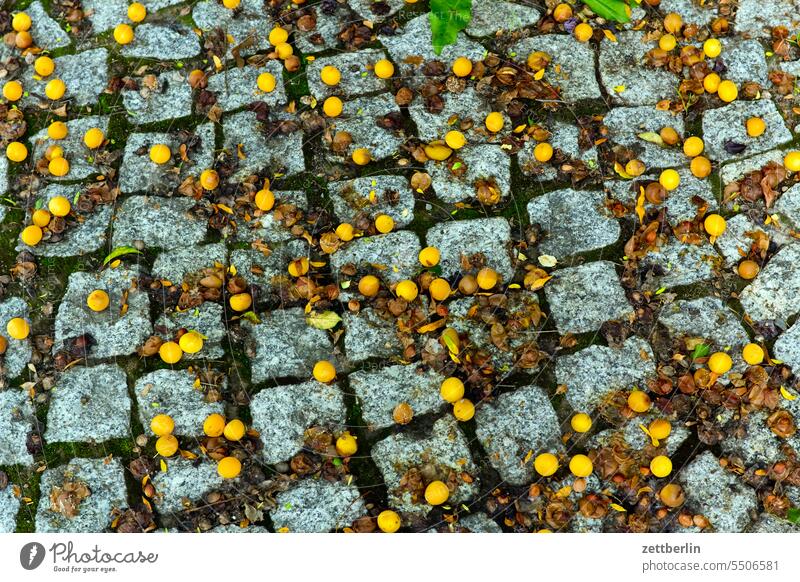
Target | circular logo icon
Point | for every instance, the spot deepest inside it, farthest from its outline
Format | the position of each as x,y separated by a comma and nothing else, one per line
31,555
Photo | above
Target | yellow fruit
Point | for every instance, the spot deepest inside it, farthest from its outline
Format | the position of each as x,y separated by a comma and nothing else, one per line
162,424
240,301
191,342
661,466
97,300
673,22
231,3
31,235
711,82
720,363
748,269
229,467
581,466
454,139
407,289
123,34
209,179
667,42
669,135
41,217
727,91
583,32
494,122
487,278
361,156
59,206
58,167
384,69
755,126
57,130
346,445
160,153
712,48
23,39
234,430
543,152
324,371
753,354
136,12
170,352
562,12
429,257
714,224
635,168
462,67
12,90
436,493
388,521
330,75
284,50
53,151
672,495
669,179
93,138
21,22
581,422
545,464
452,390
660,428
438,151
278,36
464,410
700,167
265,200
299,267
214,425
18,328
791,161
167,445
439,289
639,401
384,223
345,232
332,107
693,146
266,82
369,285
16,151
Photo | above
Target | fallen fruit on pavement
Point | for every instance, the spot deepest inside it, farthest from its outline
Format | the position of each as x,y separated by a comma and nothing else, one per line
346,445
18,328
388,521
191,342
753,354
229,467
639,401
97,300
170,352
234,430
720,363
581,422
162,424
167,445
214,425
452,390
661,466
436,493
324,371
464,410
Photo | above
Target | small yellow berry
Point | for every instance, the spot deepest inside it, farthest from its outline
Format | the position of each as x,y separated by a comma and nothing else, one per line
266,82
57,130
18,328
21,22
439,289
324,372
464,410
452,390
407,289
167,445
229,467
384,223
494,122
583,32
389,521
660,429
384,69
545,464
720,363
727,91
97,300
278,36
265,200
209,179
170,352
191,342
454,139
31,235
162,424
639,401
214,425
136,12
12,90
712,48
753,354
58,167
661,466
543,152
123,34
346,445
581,422
755,126
345,232
429,257
330,75
240,301
581,466
160,153
462,67
361,156
714,225
16,151
669,179
693,146
332,107
93,138
436,493
234,430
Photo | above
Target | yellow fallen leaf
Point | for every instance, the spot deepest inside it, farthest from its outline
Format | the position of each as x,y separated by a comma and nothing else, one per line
539,75
653,439
620,170
617,507
539,283
619,88
640,204
609,35
429,327
787,395
163,466
217,62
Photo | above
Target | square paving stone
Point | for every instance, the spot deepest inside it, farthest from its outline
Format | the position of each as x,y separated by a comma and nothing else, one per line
266,227
788,207
371,196
736,170
787,346
9,507
758,18
745,62
158,222
583,298
317,506
163,42
564,138
171,98
286,346
773,293
625,124
357,75
281,153
676,264
572,70
139,173
16,422
690,11
85,75
47,33
178,394
466,107
18,352
442,452
594,373
489,236
574,222
480,164
395,253
106,14
282,414
633,436
380,391
184,483
369,335
176,264
735,242
99,393
269,271
361,118
237,87
727,125
328,23
491,17
706,318
515,424
250,21
81,158
84,238
750,438
105,479
114,334
368,9
717,494
622,65
206,319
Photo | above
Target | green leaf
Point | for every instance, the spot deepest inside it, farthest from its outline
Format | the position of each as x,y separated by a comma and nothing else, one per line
793,515
616,10
448,18
324,320
119,252
701,351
